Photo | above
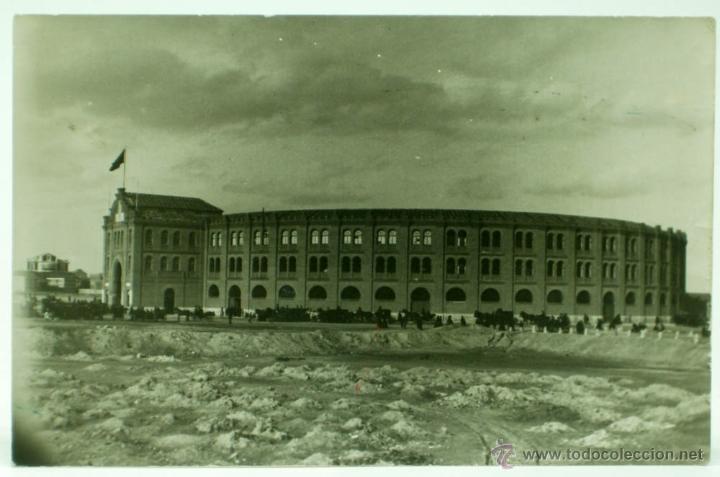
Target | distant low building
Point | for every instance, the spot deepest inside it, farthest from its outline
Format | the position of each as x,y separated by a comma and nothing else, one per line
46,274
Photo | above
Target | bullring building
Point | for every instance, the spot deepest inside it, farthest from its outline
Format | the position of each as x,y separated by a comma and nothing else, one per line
177,252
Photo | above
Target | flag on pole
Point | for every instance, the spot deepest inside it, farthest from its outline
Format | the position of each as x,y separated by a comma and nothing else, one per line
117,162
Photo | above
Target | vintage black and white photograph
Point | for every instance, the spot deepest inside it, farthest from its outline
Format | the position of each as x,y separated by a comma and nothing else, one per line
376,240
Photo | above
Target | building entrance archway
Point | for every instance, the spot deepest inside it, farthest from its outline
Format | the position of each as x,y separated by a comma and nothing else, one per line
234,298
116,285
169,300
420,300
608,306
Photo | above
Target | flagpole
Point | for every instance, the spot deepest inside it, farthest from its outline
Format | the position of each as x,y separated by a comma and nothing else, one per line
124,166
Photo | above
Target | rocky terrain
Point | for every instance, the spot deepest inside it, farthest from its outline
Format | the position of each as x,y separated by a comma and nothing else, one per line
172,395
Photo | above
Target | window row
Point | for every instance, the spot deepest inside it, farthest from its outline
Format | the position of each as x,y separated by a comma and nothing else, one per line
167,264
118,238
166,238
609,244
523,239
455,294
555,241
490,239
524,268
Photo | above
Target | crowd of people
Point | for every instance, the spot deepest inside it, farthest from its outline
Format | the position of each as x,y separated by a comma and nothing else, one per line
499,320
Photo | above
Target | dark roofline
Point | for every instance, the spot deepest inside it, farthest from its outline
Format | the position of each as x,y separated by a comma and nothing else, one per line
418,214
161,201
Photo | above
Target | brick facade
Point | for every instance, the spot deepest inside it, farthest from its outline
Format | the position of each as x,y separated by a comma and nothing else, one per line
450,261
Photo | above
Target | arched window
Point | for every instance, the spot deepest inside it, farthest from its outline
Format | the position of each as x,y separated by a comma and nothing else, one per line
350,293
323,264
259,292
519,239
588,242
427,265
518,267
286,292
583,298
630,298
357,237
176,264
347,237
148,263
528,240
415,265
550,241
317,293
555,296
427,237
313,265
416,237
496,239
282,265
490,295
455,294
485,266
663,299
176,238
379,265
648,298
211,265
148,237
217,264
263,264
496,266
392,237
450,266
265,237
356,264
257,237
345,265
613,271
384,294
213,291
559,268
292,264
523,296
461,266
579,270
293,237
485,238
241,237
191,264
314,236
233,238
605,270
588,270
560,241
450,238
256,264
164,238
231,264
284,237
550,267
238,264
462,238
381,237
391,265
163,264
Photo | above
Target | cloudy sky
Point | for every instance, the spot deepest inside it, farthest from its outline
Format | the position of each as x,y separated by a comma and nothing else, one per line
602,117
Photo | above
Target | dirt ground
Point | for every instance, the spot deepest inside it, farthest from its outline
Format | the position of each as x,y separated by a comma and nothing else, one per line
117,394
